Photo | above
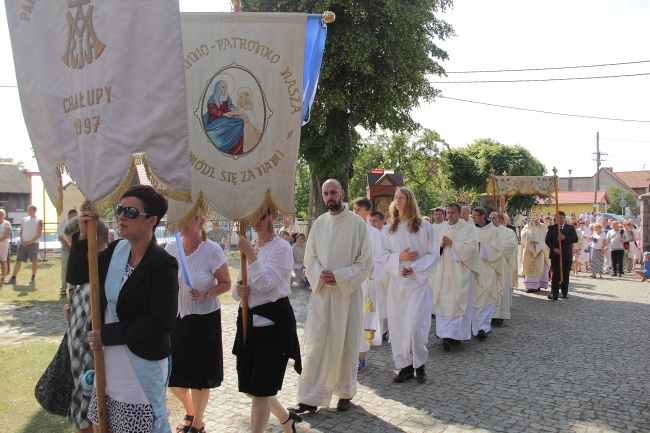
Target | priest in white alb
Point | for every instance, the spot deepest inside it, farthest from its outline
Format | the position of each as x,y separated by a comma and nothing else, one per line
376,219
338,259
453,279
509,243
488,282
534,255
412,252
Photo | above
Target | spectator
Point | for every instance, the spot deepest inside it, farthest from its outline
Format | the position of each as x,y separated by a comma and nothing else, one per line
31,230
645,273
298,261
65,249
5,235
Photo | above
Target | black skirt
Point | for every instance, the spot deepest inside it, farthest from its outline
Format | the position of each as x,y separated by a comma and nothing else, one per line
197,351
261,372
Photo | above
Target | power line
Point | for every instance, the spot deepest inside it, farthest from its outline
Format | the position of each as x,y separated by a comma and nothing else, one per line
8,86
540,79
550,68
546,112
625,141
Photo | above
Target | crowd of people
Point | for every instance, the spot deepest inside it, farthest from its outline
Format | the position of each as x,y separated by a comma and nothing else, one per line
364,268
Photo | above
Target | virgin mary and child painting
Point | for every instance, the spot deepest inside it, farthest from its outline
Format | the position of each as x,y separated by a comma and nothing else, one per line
233,129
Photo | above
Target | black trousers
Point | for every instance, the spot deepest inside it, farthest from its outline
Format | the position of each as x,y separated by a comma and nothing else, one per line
617,261
566,271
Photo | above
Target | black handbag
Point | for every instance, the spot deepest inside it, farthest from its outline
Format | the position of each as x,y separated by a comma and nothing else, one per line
54,389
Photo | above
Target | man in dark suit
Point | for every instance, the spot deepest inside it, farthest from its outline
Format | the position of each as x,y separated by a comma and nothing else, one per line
564,240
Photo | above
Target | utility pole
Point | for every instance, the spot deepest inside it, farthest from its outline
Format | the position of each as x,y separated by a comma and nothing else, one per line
598,159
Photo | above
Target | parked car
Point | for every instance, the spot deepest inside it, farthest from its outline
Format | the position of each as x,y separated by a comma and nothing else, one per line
611,216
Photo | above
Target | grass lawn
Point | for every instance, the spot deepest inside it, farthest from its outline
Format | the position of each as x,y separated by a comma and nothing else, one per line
22,364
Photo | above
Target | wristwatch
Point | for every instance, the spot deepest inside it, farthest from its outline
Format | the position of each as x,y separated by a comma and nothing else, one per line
206,294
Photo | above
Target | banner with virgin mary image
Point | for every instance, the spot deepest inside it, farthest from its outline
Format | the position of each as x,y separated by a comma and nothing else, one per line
247,77
102,88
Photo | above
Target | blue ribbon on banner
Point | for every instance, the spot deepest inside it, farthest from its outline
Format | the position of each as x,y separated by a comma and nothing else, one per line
181,254
314,47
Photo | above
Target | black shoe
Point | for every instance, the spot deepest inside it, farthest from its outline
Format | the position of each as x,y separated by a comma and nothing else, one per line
296,419
343,404
481,335
454,342
384,337
446,344
565,295
302,408
404,374
497,321
552,297
421,375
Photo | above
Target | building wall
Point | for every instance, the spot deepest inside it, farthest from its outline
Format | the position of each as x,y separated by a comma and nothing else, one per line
568,208
73,198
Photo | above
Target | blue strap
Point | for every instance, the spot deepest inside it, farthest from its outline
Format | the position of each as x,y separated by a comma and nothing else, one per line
181,254
315,35
147,372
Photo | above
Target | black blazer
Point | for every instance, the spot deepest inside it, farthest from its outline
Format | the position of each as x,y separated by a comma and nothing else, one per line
570,238
147,304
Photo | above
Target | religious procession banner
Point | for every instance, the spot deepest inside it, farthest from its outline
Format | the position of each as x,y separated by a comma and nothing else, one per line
250,79
512,185
102,86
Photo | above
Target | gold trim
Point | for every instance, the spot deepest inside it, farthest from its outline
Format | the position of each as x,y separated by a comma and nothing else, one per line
210,213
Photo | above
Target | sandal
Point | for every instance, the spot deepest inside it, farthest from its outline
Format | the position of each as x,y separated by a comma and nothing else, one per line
181,427
195,430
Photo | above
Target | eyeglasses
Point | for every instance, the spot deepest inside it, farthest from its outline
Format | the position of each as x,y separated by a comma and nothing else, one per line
129,211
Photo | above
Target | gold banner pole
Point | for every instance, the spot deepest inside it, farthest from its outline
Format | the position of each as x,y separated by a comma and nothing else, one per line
557,214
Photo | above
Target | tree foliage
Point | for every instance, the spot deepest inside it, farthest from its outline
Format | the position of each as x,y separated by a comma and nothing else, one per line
617,194
377,58
469,169
416,157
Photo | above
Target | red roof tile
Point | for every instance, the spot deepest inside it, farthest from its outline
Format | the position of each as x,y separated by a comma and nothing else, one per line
576,197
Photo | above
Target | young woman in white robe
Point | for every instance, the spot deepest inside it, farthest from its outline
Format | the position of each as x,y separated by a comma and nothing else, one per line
411,255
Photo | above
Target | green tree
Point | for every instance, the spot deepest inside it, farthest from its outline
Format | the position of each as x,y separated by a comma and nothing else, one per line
378,59
469,168
20,164
301,194
416,157
617,194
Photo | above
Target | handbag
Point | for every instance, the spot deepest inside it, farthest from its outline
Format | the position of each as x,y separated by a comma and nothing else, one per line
54,389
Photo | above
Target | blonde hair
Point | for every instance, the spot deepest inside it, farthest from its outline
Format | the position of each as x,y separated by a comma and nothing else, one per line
598,226
411,212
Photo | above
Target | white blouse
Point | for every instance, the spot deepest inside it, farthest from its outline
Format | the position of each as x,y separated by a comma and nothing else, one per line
202,265
269,277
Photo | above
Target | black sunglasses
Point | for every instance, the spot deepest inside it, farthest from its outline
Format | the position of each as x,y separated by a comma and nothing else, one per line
129,211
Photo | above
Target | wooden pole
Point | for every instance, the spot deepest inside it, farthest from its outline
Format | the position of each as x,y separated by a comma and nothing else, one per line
95,311
494,190
244,279
237,6
557,214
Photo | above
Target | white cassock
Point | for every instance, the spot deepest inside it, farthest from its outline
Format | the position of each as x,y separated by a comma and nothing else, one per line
437,230
370,289
409,298
488,282
453,282
341,244
509,243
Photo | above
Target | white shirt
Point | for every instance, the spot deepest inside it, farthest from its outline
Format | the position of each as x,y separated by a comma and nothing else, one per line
268,276
202,265
30,228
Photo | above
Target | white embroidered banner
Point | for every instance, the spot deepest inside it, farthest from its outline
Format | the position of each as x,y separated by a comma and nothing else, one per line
100,81
244,74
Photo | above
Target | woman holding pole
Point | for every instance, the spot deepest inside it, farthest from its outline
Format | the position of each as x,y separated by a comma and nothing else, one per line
138,283
270,338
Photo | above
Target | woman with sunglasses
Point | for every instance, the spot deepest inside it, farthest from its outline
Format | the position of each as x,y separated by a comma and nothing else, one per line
271,337
138,285
197,351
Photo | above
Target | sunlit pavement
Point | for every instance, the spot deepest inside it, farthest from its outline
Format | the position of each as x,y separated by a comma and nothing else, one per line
579,364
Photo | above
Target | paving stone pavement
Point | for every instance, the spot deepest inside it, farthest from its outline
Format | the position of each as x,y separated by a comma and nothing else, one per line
576,365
